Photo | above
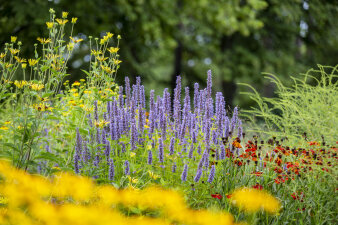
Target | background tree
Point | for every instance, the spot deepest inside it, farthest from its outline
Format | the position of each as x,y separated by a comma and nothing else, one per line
237,39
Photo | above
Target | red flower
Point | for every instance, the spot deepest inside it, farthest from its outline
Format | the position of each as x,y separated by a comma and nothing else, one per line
229,195
257,173
219,196
258,186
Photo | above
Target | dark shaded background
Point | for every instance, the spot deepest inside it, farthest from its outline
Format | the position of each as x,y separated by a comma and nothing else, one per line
237,39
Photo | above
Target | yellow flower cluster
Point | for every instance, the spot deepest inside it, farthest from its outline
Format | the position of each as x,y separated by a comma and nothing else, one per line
68,199
252,200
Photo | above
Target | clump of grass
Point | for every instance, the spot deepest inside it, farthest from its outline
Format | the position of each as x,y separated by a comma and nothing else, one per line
308,108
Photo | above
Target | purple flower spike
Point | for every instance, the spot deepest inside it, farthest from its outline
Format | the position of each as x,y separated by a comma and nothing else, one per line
184,173
126,168
211,174
209,84
222,155
150,157
160,150
198,175
191,151
111,170
172,146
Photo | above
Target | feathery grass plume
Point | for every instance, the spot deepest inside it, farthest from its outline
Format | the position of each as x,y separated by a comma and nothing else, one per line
310,105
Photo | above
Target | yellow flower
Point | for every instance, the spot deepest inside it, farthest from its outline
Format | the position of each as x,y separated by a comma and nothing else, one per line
32,62
101,123
8,65
74,19
24,65
64,15
2,55
76,40
96,53
118,36
20,84
153,175
107,69
253,200
20,60
44,40
49,25
3,128
116,61
87,92
101,58
37,87
61,21
13,39
8,122
132,154
113,50
42,107
109,35
14,51
76,83
132,180
70,46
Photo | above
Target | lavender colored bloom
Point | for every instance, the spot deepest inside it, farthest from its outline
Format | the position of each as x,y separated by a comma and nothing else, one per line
211,174
151,101
240,129
76,163
172,146
111,170
184,173
234,120
142,97
126,168
191,151
222,156
160,150
193,137
201,162
121,96
199,149
97,160
198,175
206,158
214,137
150,157
209,84
186,106
196,96
127,91
133,136
141,119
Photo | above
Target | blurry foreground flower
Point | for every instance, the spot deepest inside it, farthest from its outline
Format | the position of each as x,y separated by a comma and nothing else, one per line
252,200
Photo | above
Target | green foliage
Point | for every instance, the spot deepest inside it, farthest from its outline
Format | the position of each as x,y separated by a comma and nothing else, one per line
310,106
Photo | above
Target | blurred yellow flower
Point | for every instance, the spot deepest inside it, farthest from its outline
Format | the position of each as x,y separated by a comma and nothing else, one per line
74,19
20,84
113,50
3,128
252,200
44,40
20,60
32,62
13,39
49,25
24,65
64,15
14,51
61,21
